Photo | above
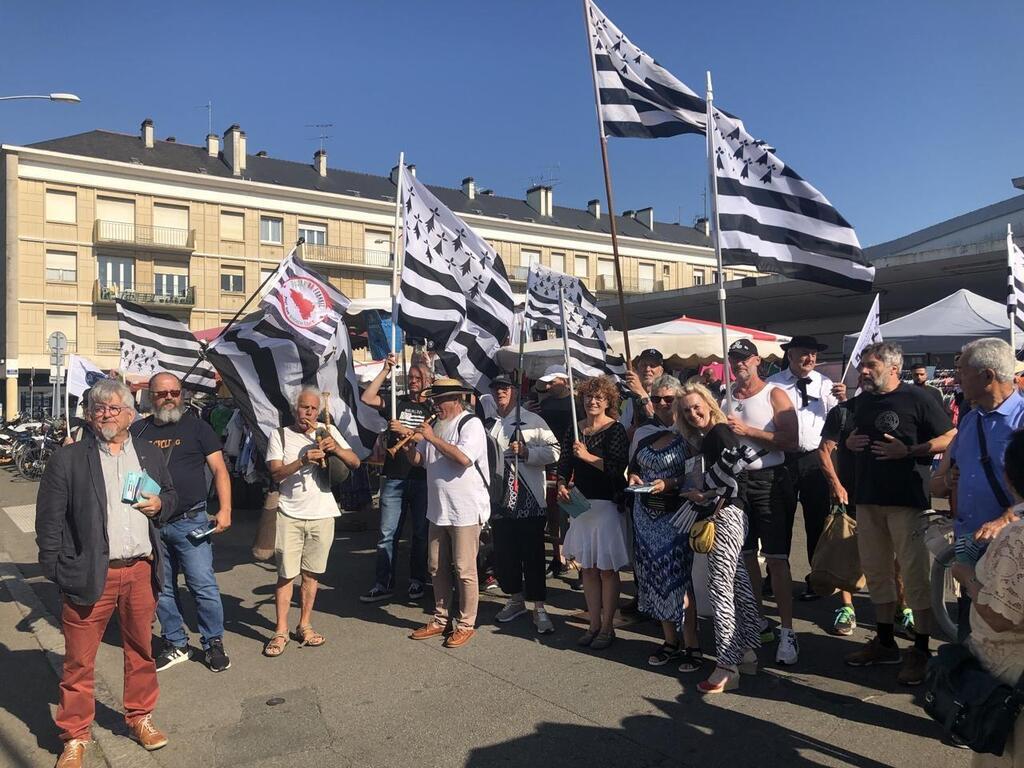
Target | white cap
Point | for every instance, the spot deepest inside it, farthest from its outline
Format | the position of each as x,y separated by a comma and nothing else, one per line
554,372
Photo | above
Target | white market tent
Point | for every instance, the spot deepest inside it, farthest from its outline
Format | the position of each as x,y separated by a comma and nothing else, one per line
944,327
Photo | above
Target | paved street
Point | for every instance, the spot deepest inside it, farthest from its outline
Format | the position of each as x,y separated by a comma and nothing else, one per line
371,697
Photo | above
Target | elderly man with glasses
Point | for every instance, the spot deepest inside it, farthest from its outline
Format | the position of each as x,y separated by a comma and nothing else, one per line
98,543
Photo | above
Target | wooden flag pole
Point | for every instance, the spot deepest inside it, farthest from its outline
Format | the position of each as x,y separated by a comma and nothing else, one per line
568,363
603,140
716,240
395,233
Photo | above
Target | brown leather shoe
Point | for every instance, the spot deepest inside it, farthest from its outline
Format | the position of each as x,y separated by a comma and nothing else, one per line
459,638
73,755
915,664
147,734
433,629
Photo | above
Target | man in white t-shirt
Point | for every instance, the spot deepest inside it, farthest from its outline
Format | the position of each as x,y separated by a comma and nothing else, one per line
305,512
454,452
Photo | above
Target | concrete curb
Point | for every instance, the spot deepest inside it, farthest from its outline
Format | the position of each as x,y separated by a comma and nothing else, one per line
117,750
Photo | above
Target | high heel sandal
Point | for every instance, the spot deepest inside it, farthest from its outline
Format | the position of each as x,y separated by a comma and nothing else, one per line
729,681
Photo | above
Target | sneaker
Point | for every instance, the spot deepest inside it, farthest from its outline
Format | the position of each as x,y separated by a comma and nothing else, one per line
415,590
873,652
845,621
490,585
376,594
543,622
172,655
767,633
789,648
73,755
512,609
915,663
216,659
147,734
904,626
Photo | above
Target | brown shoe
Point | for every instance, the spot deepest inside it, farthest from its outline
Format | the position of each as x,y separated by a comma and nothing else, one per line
915,664
433,629
147,734
873,652
73,755
459,638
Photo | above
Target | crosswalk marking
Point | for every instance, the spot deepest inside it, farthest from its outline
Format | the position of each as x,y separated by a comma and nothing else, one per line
23,516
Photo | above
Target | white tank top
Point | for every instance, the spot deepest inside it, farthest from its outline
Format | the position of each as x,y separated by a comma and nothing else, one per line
757,411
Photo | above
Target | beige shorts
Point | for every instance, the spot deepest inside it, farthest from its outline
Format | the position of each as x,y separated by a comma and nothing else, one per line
885,533
302,545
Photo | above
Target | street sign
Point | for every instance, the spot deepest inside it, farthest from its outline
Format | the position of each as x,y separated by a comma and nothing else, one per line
57,342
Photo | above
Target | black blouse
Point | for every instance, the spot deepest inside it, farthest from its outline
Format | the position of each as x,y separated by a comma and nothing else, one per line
612,445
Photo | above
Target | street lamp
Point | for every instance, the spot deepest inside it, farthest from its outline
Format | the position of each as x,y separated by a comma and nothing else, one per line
68,98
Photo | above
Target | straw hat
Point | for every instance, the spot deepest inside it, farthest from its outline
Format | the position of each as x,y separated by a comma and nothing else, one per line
446,386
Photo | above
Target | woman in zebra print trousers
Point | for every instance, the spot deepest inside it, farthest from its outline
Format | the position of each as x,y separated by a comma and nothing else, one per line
736,618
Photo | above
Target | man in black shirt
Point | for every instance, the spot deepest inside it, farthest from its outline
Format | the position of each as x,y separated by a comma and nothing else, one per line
403,487
919,375
190,446
895,423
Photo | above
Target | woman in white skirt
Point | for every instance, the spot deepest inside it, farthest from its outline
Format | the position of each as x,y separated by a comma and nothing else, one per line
595,465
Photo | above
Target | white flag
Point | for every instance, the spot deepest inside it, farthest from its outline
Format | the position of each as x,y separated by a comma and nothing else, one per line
1015,291
82,374
871,333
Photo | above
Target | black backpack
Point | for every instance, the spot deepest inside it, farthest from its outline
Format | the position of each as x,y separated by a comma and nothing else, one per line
494,476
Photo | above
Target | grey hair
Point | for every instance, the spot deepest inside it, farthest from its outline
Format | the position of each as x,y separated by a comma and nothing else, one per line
994,354
105,389
665,381
889,353
308,390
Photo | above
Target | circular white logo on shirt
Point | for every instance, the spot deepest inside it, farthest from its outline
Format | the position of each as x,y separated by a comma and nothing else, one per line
887,421
303,301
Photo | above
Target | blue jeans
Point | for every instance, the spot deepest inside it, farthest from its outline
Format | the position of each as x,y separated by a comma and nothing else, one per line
180,555
397,499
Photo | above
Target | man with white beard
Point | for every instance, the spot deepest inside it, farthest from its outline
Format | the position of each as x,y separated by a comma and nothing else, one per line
190,446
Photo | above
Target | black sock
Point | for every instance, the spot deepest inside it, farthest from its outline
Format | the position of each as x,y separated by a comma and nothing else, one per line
921,642
885,634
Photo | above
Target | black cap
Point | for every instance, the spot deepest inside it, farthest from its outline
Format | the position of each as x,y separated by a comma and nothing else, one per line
653,354
804,342
741,349
501,380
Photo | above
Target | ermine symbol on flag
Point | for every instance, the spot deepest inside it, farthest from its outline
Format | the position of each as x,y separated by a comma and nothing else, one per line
303,302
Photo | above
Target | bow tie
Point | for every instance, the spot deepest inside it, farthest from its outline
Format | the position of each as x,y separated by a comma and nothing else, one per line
801,387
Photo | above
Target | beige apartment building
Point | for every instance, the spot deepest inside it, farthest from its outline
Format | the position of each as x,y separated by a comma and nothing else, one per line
192,231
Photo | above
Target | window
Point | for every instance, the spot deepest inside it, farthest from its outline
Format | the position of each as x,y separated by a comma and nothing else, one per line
605,274
558,262
315,234
698,277
116,272
378,288
66,323
232,279
232,226
170,279
266,272
170,225
528,258
645,273
582,267
714,275
61,267
61,206
377,248
271,229
115,209
666,270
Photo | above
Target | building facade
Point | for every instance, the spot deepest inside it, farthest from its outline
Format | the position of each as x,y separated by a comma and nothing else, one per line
193,230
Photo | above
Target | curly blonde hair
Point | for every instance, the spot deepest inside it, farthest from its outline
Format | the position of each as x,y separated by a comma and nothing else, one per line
606,388
689,431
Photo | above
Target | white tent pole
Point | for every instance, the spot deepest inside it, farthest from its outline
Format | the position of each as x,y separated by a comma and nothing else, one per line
395,233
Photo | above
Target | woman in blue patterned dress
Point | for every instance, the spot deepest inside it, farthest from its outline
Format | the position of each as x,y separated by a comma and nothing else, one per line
663,556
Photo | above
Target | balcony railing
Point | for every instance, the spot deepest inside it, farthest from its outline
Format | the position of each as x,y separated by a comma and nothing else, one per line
342,254
519,274
105,294
630,284
138,236
108,347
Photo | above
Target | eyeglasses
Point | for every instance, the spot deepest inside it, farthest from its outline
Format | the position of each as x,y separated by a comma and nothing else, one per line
666,399
113,410
594,398
165,393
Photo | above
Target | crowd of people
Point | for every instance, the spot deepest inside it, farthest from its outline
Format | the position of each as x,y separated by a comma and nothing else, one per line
680,467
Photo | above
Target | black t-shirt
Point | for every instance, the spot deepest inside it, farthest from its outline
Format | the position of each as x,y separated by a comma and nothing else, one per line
909,415
933,392
838,426
411,415
612,445
185,444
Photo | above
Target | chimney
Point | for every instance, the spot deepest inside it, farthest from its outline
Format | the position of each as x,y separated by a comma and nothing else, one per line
646,217
320,162
147,133
594,208
394,173
469,187
488,192
234,149
212,144
703,224
628,214
242,151
540,198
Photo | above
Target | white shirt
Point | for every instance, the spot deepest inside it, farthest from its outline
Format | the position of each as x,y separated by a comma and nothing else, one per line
820,401
306,494
457,495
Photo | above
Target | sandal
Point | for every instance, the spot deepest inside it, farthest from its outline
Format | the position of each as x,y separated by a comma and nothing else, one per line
692,660
273,648
664,655
307,636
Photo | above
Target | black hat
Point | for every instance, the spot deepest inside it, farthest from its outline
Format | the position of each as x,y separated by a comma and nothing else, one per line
742,349
653,354
502,380
804,342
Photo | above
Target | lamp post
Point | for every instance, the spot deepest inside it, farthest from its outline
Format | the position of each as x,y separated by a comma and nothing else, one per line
68,98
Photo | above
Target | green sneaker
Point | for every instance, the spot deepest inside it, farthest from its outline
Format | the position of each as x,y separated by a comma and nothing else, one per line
905,624
767,632
845,621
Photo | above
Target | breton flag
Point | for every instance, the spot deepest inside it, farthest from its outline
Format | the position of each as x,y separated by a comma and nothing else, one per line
454,290
637,97
264,367
871,333
772,219
588,347
1015,292
152,342
304,302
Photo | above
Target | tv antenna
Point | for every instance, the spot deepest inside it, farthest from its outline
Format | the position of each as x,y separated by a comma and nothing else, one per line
322,127
548,177
208,106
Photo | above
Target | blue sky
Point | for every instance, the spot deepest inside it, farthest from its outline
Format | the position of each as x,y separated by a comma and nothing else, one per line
901,113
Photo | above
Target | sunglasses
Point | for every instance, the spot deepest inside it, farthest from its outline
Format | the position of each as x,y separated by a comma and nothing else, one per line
165,393
666,399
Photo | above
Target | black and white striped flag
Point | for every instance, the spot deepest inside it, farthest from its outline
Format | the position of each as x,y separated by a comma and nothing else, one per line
637,97
588,347
773,220
454,290
305,302
152,342
264,367
1015,292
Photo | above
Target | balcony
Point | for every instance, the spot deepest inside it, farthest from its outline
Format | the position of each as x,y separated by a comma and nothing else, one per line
108,347
343,255
606,284
106,294
518,274
119,234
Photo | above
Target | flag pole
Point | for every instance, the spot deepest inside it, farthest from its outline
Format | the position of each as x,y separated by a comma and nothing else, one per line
568,362
1011,293
716,240
394,284
603,140
518,431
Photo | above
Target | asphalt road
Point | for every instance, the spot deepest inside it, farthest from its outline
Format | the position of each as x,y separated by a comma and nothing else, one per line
372,697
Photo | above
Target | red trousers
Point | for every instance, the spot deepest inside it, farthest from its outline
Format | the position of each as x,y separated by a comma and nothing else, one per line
130,590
